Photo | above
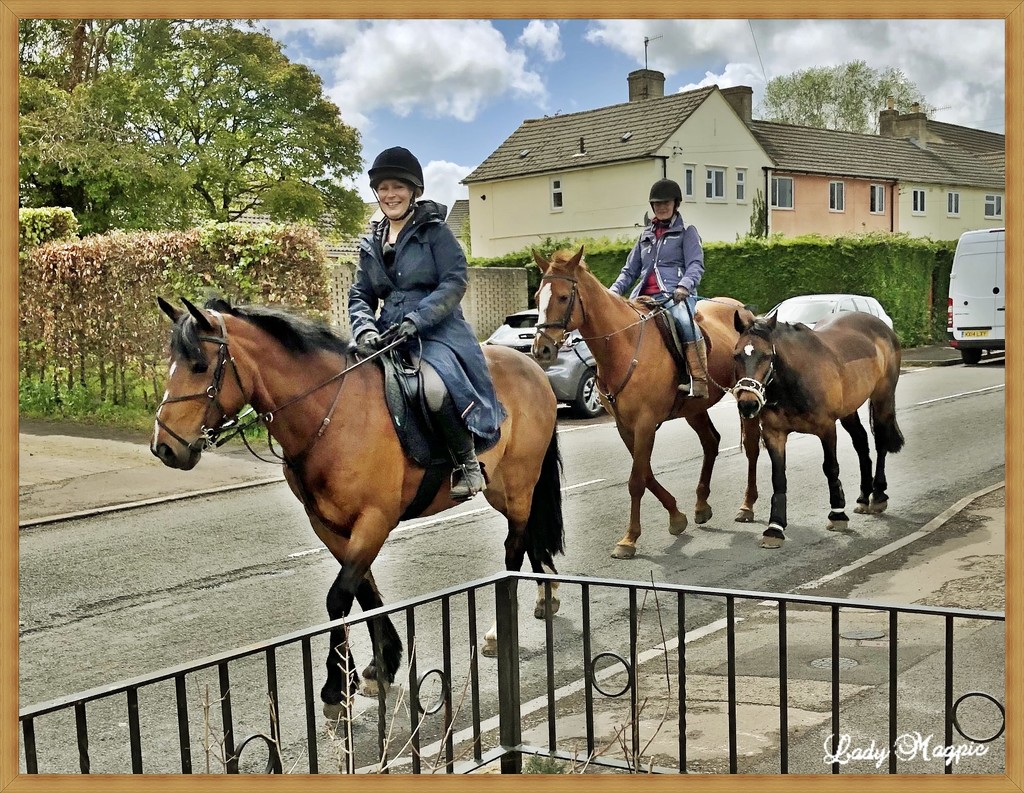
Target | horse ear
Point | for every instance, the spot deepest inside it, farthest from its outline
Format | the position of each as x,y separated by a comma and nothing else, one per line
168,309
742,320
200,317
575,260
542,263
773,320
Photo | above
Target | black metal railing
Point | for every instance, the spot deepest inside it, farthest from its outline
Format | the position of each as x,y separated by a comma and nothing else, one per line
481,713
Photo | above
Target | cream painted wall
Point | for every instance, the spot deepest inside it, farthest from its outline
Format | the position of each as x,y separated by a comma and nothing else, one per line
714,136
606,201
610,200
935,223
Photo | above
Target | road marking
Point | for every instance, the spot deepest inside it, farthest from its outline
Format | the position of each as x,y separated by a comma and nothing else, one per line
963,394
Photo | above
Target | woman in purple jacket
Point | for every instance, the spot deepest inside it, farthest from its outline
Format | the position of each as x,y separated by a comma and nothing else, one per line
667,263
412,268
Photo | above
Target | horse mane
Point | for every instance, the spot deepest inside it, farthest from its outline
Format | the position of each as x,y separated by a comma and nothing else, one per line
295,333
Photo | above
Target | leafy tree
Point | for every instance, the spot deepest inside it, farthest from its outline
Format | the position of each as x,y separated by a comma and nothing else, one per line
161,123
846,97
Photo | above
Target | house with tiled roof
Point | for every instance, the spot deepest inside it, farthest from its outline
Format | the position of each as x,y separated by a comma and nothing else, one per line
588,174
924,178
458,220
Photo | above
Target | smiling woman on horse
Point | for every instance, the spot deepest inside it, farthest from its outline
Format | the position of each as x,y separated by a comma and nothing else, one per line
413,269
666,264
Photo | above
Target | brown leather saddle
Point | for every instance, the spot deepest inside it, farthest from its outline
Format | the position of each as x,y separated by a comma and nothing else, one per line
666,325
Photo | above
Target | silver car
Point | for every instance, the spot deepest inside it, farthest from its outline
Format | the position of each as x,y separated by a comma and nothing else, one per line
573,374
811,309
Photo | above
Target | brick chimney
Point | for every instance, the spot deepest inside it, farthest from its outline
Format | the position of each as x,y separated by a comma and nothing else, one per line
645,84
913,125
887,119
741,98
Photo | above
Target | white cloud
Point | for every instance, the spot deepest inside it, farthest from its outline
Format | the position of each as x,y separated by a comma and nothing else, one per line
545,37
443,68
958,64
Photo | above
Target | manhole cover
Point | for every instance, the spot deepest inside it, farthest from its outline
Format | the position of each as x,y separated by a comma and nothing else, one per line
826,663
855,635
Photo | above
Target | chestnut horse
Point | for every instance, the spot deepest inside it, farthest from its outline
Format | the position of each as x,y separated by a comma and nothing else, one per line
342,457
794,379
637,379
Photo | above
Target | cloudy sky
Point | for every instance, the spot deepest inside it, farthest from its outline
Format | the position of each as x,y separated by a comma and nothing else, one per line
453,90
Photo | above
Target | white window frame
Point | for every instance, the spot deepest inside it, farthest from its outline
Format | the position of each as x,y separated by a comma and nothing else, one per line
995,201
776,182
741,185
953,203
689,177
918,204
836,196
557,205
877,195
714,183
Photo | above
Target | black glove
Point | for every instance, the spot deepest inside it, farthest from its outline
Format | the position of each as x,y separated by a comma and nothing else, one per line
680,294
368,343
407,329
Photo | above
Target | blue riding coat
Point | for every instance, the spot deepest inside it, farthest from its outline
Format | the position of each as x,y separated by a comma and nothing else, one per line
425,285
677,260
678,257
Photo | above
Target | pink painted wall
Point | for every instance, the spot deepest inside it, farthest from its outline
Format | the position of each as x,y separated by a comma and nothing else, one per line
811,213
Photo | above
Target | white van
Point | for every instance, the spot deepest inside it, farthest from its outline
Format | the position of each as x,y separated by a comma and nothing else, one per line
976,317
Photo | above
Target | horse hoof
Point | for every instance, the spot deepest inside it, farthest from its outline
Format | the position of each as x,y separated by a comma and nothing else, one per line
861,509
744,516
370,688
838,525
772,542
702,515
676,525
336,712
877,507
489,649
624,551
540,611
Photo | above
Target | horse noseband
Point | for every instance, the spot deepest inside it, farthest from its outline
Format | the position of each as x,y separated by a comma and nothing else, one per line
750,385
563,323
207,435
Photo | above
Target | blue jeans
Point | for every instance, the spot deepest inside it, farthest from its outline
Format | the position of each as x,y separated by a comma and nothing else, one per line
688,329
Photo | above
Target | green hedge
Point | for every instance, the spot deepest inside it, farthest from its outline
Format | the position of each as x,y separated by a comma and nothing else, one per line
46,224
908,275
91,337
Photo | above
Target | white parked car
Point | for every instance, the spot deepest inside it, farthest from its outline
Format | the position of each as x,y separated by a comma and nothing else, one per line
811,309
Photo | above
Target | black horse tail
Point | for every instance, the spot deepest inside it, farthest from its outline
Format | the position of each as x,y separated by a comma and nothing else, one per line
545,532
887,433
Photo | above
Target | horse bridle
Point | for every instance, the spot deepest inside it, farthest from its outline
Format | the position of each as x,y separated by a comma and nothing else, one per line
208,435
563,323
756,387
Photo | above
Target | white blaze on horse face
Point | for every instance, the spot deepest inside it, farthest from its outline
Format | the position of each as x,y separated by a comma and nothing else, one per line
543,299
748,350
167,393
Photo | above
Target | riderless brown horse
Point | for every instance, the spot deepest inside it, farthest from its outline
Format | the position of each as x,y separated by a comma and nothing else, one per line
342,457
637,378
794,379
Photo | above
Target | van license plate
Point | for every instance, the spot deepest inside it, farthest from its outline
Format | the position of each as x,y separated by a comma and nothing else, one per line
974,334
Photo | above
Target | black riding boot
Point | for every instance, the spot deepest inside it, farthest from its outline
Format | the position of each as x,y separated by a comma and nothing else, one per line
467,478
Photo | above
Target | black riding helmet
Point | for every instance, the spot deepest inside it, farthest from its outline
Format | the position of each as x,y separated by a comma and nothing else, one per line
666,190
396,163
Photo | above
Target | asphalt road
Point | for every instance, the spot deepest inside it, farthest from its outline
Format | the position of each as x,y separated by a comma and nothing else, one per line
117,596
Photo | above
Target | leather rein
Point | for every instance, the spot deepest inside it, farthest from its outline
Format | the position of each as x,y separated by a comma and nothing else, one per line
610,395
213,437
